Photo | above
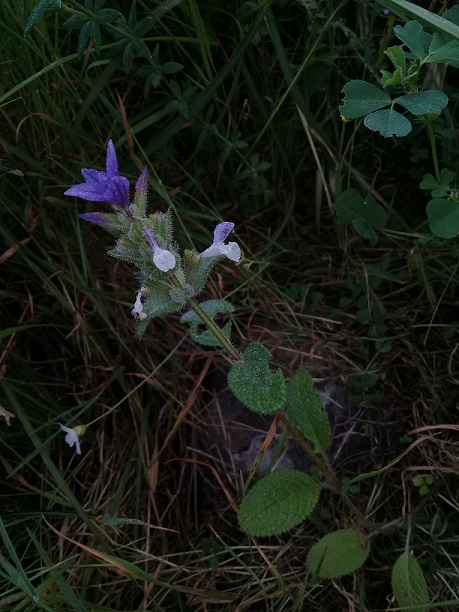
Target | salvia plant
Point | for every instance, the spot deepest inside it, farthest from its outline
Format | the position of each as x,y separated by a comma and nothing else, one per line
410,92
171,280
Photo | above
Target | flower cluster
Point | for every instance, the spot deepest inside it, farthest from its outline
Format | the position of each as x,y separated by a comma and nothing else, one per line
168,278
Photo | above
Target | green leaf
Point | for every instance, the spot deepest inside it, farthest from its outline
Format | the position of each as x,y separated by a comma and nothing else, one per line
390,79
253,384
363,229
350,206
414,37
388,123
439,188
443,216
278,503
448,52
338,553
428,18
211,309
409,584
452,14
362,98
38,12
107,15
305,409
154,306
424,102
397,56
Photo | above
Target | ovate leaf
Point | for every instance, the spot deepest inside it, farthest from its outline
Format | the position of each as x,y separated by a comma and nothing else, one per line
443,217
338,553
253,384
388,123
362,98
350,206
414,37
431,101
305,409
448,52
278,503
409,584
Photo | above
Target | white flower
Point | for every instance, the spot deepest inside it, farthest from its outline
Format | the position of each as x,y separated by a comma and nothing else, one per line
218,247
71,438
137,312
164,260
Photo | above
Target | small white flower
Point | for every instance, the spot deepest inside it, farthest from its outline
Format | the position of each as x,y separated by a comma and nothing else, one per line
71,438
218,247
137,312
164,260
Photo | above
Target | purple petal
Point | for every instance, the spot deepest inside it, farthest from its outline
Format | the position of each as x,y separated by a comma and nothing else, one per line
151,240
117,192
97,218
141,185
94,176
87,192
112,162
221,231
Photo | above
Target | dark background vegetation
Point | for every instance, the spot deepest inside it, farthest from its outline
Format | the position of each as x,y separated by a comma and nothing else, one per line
243,126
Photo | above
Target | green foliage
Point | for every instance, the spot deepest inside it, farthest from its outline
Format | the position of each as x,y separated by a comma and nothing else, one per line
160,303
412,34
423,483
443,217
438,188
217,112
129,38
409,584
362,98
253,384
89,23
430,102
38,12
388,123
305,409
211,308
338,553
365,215
155,71
277,503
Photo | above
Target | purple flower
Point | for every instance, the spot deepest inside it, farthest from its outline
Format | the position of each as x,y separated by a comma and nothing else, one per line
97,218
219,248
104,186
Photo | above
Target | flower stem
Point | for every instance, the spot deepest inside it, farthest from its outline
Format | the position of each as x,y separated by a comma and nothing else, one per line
299,439
433,146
